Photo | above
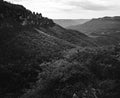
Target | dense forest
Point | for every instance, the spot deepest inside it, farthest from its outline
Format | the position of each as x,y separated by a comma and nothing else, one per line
40,59
88,72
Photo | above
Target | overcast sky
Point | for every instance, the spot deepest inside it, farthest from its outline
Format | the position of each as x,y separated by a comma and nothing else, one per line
72,9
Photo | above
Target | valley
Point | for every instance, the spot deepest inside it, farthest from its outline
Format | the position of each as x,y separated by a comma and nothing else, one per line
45,58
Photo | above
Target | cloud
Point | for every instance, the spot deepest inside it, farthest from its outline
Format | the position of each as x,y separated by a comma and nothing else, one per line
96,5
72,8
66,5
14,0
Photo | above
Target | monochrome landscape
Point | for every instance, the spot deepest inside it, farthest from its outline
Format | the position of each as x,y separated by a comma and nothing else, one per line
72,52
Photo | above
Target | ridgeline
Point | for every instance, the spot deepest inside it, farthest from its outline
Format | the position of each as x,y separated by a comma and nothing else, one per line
40,59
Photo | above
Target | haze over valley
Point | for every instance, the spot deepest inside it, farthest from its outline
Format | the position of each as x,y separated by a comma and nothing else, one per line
72,51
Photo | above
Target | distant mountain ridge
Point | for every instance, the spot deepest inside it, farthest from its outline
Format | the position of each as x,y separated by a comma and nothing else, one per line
70,22
99,26
105,31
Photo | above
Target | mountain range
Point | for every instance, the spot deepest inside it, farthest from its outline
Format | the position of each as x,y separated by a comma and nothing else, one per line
105,31
99,26
38,51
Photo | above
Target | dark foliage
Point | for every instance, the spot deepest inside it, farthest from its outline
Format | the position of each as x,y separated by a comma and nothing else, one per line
18,69
90,72
22,16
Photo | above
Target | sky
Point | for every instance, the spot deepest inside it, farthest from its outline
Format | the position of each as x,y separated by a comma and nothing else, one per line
72,9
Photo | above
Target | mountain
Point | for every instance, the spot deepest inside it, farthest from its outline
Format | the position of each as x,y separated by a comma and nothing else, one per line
69,22
104,31
41,59
100,26
31,33
19,32
28,39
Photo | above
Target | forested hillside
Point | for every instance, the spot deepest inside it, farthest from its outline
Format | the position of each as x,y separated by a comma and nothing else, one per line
88,72
40,59
28,39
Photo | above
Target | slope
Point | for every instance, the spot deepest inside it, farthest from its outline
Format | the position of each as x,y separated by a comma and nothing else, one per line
100,26
23,47
72,36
